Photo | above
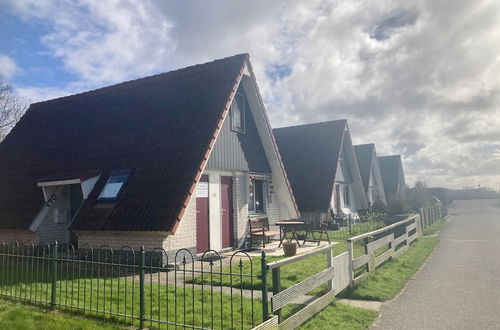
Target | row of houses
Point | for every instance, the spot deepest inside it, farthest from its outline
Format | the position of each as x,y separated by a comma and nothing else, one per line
177,160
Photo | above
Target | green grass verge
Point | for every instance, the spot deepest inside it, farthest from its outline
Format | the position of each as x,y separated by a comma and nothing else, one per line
341,316
17,316
121,296
435,227
388,280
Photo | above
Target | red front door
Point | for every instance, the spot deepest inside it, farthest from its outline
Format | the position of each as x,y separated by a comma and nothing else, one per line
226,189
202,226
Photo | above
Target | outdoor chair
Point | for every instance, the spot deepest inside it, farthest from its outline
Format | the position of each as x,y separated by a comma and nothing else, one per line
315,226
259,227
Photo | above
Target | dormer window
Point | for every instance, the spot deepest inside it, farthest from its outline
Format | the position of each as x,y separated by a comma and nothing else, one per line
115,184
238,113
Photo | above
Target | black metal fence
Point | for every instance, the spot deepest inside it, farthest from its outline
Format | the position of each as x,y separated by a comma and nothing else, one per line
142,288
346,227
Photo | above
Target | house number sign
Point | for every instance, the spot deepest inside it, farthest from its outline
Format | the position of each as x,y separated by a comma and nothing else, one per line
51,200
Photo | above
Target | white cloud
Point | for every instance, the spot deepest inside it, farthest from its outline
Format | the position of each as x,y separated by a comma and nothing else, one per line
7,67
420,77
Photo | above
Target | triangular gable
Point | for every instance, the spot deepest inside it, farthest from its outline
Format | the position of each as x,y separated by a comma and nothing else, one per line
265,155
351,161
310,153
391,168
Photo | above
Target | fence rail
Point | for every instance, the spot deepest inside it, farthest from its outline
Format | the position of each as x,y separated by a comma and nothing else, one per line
381,245
141,288
281,298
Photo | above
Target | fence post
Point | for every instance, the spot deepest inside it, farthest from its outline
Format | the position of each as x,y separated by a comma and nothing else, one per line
263,267
421,212
329,263
277,287
365,241
350,252
54,277
142,266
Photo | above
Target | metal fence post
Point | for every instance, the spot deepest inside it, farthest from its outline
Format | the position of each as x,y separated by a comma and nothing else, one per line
265,306
142,266
54,277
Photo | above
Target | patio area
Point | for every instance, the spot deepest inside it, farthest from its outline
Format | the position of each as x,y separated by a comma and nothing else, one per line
272,249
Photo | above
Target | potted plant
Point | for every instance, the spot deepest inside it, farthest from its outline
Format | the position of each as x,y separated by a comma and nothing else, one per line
289,248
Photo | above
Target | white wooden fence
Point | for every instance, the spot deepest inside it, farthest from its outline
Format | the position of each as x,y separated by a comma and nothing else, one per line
394,240
341,270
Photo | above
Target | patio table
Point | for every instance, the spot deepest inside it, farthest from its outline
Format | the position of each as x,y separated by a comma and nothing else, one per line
289,227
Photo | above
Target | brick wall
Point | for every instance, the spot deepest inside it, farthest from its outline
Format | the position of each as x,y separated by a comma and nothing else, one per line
119,239
21,235
185,236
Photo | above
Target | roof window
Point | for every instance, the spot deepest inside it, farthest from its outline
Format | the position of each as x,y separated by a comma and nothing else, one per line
115,184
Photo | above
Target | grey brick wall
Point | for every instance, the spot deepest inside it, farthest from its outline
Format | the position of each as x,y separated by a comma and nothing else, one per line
21,235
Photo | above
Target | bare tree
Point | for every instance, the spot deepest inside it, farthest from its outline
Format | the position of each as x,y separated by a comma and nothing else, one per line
12,107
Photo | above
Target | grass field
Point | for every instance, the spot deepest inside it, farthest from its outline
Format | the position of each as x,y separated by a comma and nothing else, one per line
101,297
388,280
341,316
16,316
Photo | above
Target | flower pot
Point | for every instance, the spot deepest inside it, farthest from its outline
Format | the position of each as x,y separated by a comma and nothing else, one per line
289,249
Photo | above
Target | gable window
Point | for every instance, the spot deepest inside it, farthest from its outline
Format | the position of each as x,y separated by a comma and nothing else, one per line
238,113
115,184
256,199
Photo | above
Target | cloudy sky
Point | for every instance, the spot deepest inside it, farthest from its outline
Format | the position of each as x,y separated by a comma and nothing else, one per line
420,78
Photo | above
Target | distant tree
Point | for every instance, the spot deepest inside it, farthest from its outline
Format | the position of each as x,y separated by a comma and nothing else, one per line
398,204
419,196
12,107
378,205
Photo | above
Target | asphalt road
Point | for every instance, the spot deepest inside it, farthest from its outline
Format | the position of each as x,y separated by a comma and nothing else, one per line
459,286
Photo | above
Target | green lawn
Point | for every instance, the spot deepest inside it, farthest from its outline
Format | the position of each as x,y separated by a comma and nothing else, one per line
435,227
17,316
341,316
296,272
121,296
290,274
389,279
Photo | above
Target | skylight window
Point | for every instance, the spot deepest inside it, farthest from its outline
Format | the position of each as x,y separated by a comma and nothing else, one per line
115,184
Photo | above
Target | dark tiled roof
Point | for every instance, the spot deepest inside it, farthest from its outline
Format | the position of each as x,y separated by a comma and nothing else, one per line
364,156
389,168
160,126
310,154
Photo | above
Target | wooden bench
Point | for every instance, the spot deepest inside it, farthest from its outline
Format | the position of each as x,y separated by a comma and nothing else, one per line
259,227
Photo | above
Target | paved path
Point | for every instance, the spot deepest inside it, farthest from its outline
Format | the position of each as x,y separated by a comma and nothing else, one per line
459,287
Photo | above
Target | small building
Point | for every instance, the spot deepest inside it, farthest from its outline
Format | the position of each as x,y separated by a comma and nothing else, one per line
321,165
177,160
391,168
369,170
